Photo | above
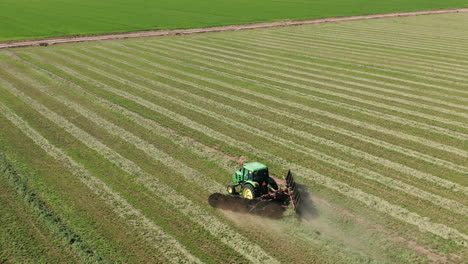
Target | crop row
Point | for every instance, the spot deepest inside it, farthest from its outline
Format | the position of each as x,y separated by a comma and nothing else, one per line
126,95
168,194
344,165
385,136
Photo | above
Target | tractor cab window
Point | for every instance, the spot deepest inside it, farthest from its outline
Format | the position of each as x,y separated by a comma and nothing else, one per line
247,174
260,175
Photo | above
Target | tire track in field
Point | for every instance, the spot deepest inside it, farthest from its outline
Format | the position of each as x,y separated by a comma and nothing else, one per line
285,46
395,184
171,248
287,68
302,134
228,236
401,135
260,56
372,201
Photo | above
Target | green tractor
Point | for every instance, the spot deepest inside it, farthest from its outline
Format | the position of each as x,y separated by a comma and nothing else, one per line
254,182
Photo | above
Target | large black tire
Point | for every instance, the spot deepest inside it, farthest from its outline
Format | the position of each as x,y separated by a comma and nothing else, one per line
248,192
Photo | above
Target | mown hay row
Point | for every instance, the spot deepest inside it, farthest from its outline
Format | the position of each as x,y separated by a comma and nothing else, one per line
350,70
393,165
372,201
295,80
170,247
350,80
446,203
303,50
230,237
378,128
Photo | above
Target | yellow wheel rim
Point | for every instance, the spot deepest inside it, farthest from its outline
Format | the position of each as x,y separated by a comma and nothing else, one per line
247,193
229,189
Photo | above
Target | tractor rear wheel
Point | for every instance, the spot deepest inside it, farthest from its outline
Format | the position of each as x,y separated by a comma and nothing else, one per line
248,191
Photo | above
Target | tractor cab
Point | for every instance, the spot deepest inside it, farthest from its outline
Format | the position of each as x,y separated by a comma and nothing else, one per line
252,180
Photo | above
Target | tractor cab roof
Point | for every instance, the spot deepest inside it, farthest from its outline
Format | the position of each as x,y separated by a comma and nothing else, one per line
254,166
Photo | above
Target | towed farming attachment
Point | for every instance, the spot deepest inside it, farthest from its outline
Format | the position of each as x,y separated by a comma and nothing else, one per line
293,192
257,193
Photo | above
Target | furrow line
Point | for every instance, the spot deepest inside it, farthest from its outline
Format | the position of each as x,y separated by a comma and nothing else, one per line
285,46
309,109
423,223
228,236
166,244
364,52
443,202
429,45
307,37
450,34
289,68
145,146
428,42
377,114
242,53
317,139
333,55
391,42
393,63
398,32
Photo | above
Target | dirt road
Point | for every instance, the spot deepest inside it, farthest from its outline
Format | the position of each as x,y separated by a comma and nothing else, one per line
53,41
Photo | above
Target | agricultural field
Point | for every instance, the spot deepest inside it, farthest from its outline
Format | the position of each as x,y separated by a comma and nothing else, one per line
109,150
26,19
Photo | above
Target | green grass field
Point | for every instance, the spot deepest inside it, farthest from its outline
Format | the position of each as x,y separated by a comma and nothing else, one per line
109,150
25,19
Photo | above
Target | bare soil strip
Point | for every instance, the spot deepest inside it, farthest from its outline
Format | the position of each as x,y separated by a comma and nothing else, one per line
153,33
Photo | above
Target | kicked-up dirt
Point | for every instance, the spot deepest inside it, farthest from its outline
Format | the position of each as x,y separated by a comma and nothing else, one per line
238,204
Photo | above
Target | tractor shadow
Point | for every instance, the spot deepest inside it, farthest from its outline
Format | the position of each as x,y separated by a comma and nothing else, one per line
240,205
270,209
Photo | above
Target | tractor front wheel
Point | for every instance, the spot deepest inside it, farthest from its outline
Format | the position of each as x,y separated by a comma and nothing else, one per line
248,192
231,189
